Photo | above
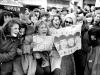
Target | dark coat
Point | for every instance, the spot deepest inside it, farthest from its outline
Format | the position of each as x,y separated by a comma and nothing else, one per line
8,52
93,61
8,47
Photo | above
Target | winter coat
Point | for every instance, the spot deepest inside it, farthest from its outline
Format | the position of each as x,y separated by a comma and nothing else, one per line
8,47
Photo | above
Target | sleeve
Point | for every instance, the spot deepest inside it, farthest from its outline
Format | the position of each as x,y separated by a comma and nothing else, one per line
5,57
85,43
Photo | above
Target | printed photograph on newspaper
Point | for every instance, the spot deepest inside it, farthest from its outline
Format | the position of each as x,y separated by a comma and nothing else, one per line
69,40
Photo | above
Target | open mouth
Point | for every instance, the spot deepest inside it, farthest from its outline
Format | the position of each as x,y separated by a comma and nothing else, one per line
15,34
44,32
57,24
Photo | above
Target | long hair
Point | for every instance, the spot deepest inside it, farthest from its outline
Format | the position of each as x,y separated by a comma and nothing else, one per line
9,24
59,19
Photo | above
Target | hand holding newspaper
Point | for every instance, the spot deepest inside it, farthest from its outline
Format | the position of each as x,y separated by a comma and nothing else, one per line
42,43
67,40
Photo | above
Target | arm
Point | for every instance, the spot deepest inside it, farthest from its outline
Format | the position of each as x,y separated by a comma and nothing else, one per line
5,57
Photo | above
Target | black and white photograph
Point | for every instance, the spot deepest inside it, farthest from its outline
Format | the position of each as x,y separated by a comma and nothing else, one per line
49,37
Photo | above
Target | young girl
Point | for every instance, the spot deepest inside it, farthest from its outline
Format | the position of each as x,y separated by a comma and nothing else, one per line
8,46
60,65
55,58
42,44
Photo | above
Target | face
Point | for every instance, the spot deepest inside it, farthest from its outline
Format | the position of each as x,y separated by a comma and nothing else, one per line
26,11
43,29
64,12
92,8
63,44
78,10
97,18
80,18
43,18
68,22
53,12
37,13
22,31
42,10
21,15
88,8
34,19
89,19
7,18
14,30
56,22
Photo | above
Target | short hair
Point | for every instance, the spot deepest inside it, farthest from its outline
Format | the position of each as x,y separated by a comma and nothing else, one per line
9,24
39,24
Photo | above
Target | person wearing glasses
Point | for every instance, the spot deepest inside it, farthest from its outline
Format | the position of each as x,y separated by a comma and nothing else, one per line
61,65
68,22
67,63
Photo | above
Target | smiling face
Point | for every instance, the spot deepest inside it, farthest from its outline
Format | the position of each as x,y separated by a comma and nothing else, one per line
56,22
89,19
14,30
68,22
97,18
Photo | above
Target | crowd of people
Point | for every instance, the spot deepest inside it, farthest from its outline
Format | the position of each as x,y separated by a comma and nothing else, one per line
17,33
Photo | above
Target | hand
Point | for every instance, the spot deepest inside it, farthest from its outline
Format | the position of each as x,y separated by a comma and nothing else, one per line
37,55
19,51
93,37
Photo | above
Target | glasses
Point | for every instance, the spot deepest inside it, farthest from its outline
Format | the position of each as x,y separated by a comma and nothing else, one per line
68,22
